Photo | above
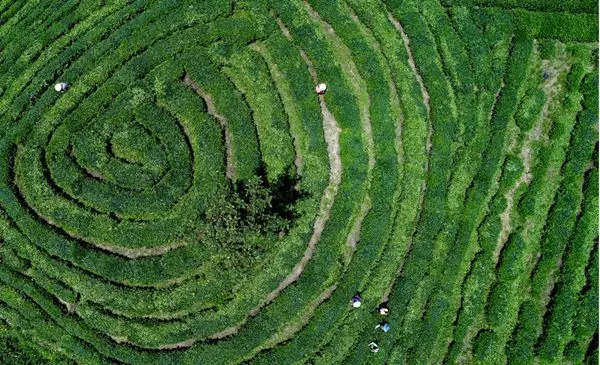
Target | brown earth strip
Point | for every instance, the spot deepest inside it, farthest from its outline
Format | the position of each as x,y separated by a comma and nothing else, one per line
411,62
359,87
287,101
210,105
71,307
290,329
551,88
354,235
332,133
428,144
132,253
94,174
172,346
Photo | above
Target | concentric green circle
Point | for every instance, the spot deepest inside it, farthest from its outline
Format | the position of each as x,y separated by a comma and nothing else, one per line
449,171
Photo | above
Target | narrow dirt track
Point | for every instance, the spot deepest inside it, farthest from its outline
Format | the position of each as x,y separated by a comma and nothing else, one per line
94,174
354,235
552,90
428,144
132,253
412,64
210,106
359,86
287,101
332,134
289,330
71,307
171,346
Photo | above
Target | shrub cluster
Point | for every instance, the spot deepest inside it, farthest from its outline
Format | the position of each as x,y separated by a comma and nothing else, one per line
181,201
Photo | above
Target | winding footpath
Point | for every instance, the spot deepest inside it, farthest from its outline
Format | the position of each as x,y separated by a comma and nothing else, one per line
210,106
428,144
332,135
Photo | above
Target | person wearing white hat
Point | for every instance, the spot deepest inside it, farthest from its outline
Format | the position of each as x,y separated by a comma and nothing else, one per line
383,309
356,301
320,89
373,347
61,87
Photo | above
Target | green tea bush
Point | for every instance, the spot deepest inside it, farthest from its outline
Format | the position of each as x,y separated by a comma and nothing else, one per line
559,227
190,199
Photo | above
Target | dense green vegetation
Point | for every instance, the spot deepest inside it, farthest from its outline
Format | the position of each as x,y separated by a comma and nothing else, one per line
189,199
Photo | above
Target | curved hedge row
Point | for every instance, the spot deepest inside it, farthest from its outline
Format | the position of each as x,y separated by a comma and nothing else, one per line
189,199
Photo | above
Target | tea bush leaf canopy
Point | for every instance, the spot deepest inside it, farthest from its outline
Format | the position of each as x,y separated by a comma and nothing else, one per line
189,198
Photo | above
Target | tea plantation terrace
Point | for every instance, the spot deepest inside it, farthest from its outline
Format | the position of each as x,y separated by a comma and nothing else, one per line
301,181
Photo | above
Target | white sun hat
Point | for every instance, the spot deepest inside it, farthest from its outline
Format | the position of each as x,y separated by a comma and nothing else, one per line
321,88
61,86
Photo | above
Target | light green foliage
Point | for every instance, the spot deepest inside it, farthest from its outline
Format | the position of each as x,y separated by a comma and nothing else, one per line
191,200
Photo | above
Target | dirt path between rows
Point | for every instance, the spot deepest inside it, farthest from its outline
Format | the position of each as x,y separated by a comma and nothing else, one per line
94,174
71,307
428,144
350,72
286,99
132,253
552,89
354,235
332,135
412,64
210,106
290,329
173,346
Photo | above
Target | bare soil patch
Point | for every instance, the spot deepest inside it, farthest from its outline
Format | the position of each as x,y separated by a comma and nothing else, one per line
286,99
332,133
351,73
428,144
94,174
289,330
131,253
411,62
210,106
552,88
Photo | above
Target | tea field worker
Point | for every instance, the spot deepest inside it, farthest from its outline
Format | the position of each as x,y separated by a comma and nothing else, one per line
373,347
320,89
384,326
61,87
356,300
383,309
546,76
